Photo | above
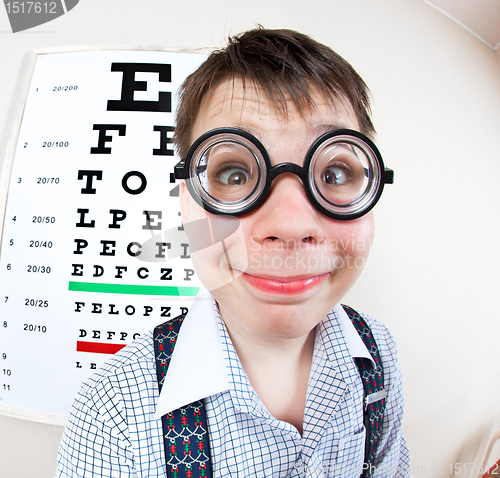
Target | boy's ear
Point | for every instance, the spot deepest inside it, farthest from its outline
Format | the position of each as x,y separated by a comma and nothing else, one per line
184,200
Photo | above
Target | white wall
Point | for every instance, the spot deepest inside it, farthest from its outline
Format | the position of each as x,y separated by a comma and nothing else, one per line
433,273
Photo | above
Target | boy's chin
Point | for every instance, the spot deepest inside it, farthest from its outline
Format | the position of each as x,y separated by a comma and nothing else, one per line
271,320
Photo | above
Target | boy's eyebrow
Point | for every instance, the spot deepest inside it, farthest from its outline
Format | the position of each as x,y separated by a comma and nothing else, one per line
254,132
319,130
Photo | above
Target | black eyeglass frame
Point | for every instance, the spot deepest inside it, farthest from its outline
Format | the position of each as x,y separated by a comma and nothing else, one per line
183,170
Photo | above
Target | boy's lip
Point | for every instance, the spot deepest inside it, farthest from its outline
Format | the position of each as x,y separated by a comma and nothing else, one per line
285,285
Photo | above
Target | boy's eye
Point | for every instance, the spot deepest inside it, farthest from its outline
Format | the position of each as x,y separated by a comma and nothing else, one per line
232,176
335,175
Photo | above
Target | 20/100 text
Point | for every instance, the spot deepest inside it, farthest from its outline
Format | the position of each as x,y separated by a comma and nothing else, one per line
55,144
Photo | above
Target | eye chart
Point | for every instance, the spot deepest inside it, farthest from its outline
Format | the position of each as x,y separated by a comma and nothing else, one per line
93,250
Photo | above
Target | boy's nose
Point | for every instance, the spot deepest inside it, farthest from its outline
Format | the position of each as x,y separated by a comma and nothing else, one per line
287,215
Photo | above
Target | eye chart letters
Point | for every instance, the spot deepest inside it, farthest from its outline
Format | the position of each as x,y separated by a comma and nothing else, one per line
92,182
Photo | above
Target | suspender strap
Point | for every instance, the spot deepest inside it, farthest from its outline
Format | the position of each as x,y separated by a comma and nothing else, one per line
373,384
185,430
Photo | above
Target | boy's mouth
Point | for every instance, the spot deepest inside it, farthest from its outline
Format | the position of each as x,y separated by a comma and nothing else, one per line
284,285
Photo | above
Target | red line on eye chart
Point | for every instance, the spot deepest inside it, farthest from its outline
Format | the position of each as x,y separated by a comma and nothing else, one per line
97,348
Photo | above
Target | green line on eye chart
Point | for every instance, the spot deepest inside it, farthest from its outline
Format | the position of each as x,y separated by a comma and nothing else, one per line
133,289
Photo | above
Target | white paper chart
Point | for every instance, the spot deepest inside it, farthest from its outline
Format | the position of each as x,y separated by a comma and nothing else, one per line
93,250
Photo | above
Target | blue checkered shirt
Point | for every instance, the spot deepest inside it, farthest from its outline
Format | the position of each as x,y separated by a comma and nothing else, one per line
115,428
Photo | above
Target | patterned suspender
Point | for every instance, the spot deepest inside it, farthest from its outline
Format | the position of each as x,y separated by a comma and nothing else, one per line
185,431
373,384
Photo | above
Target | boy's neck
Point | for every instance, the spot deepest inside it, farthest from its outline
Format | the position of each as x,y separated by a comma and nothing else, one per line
278,369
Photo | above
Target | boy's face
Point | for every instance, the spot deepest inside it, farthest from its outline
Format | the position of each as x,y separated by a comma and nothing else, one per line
287,264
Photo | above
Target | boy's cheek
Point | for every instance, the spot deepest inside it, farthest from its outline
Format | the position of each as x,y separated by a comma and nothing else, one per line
353,237
351,241
222,262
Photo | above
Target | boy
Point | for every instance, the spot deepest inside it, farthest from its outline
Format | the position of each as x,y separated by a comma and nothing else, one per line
273,132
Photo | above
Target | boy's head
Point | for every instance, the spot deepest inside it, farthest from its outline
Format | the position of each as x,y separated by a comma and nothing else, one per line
296,251
284,65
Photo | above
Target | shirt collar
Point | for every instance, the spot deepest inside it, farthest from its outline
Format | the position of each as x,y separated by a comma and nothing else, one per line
198,370
354,342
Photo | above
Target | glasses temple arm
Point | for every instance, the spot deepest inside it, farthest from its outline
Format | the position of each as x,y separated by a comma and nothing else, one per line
388,176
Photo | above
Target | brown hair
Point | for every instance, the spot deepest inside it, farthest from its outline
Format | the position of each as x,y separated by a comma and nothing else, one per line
281,63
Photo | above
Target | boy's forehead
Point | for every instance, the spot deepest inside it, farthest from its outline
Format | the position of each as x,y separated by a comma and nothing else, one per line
234,102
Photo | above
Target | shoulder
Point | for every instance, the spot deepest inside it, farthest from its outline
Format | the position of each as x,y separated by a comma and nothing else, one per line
383,337
120,397
111,430
138,353
128,375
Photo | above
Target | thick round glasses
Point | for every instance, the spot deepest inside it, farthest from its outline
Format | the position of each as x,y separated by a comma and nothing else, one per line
228,172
